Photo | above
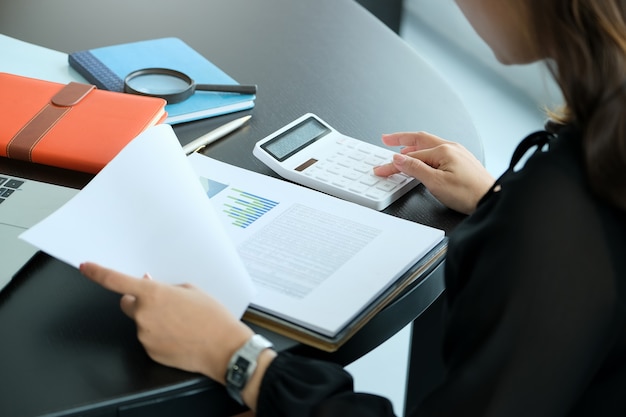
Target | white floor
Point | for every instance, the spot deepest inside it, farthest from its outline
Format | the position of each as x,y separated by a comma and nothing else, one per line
503,116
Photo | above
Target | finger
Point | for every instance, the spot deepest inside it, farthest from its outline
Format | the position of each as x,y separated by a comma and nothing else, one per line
111,280
409,149
414,168
418,140
401,163
385,170
432,157
128,304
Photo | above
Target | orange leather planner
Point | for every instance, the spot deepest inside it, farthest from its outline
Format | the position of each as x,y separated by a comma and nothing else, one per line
74,126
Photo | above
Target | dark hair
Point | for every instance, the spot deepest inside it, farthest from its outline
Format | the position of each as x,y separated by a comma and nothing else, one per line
585,42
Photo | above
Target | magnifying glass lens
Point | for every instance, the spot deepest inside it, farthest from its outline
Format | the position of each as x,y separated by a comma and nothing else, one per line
174,86
158,84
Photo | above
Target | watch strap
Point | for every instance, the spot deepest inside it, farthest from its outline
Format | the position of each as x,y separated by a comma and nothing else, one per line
242,365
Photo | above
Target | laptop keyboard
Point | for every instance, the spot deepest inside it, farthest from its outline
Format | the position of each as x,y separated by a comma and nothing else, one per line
8,186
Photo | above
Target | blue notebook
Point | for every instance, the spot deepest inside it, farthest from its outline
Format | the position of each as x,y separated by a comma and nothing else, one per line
107,67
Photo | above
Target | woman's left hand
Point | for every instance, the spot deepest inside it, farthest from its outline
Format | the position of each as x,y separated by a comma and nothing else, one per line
449,171
178,325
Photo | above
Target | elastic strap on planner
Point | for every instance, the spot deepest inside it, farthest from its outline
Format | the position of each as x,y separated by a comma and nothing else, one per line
24,141
95,72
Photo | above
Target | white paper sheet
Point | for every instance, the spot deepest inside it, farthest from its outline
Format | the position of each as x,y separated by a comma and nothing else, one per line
315,260
146,211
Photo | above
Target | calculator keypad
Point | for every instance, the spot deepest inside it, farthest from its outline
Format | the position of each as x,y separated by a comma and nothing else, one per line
351,167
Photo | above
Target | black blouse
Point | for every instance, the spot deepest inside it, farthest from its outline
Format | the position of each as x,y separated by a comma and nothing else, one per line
536,307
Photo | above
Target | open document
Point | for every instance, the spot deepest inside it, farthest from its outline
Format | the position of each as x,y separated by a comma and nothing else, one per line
313,260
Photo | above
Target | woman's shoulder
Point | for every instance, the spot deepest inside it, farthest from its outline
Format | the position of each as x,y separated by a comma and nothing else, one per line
544,209
547,180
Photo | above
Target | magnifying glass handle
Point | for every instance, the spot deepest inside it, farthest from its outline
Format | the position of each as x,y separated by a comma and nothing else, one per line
224,88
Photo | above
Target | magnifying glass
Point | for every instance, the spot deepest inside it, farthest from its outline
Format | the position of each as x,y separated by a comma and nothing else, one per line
174,86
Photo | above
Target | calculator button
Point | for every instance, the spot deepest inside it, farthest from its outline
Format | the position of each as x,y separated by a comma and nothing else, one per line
376,193
345,163
397,178
341,182
386,186
374,161
313,168
363,168
335,169
357,156
358,188
369,180
322,176
352,175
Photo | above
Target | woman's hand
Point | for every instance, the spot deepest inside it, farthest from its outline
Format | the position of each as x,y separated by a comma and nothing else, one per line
449,171
183,327
178,325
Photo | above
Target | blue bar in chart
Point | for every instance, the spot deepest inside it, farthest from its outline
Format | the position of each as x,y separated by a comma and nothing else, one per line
245,208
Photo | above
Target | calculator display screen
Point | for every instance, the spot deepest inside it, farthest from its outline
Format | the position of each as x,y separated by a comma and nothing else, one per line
295,139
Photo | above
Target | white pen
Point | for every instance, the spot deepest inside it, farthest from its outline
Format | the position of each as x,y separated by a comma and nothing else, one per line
214,135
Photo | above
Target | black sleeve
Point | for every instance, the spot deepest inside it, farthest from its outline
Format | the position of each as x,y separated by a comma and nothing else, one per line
534,304
297,386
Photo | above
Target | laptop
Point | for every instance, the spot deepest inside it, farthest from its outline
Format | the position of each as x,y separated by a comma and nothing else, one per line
23,203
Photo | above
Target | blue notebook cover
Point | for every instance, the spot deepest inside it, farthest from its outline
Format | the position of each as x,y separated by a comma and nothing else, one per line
107,67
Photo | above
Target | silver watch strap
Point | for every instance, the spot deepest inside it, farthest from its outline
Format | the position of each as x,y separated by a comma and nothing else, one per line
242,365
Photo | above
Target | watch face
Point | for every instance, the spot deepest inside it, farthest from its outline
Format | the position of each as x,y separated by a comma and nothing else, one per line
237,375
242,365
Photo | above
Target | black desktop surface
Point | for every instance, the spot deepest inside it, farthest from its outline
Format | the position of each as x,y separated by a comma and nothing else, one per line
66,347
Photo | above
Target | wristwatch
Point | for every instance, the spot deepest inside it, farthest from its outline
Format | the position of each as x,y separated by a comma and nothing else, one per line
242,364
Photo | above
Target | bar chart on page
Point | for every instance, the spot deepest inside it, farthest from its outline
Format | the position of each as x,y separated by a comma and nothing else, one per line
245,208
241,207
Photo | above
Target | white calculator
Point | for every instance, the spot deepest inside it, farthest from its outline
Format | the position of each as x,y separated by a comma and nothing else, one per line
310,152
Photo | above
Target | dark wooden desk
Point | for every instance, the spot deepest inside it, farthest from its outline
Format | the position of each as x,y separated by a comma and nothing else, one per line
66,348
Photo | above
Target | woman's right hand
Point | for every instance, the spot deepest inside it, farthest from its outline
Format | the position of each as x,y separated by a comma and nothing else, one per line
449,171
